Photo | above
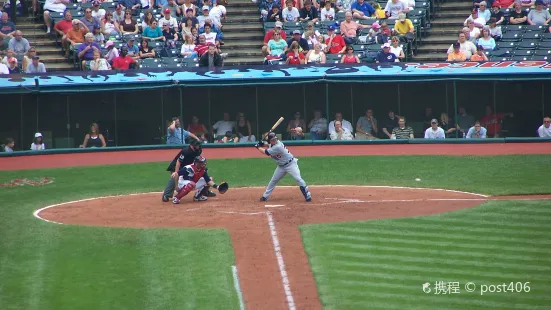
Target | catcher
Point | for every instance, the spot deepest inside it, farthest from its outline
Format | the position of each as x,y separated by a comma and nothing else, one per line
196,177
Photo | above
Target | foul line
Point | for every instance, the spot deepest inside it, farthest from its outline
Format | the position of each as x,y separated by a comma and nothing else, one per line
280,262
237,287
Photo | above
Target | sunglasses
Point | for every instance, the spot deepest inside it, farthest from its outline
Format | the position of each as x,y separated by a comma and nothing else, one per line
547,122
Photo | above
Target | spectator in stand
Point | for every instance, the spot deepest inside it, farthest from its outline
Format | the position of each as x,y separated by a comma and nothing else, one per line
128,25
123,62
379,12
468,37
518,16
174,8
197,128
375,34
295,126
168,20
146,51
99,38
341,133
218,13
7,31
396,49
476,132
110,26
148,18
350,57
447,124
211,58
310,34
486,41
403,28
366,127
544,131
187,5
385,56
74,36
309,12
119,14
19,45
212,38
90,21
479,21
294,56
335,42
344,5
35,66
28,58
290,13
58,6
112,51
154,32
201,19
38,144
202,46
484,12
362,10
495,30
492,121
170,35
188,48
402,132
132,49
302,42
147,4
527,4
318,126
187,27
390,123
457,55
4,69
98,63
316,56
344,123
12,66
327,13
9,54
270,33
539,16
277,49
97,12
434,131
321,41
464,121
194,21
349,28
474,32
497,14
10,144
394,8
218,32
130,5
220,128
87,49
479,55
274,15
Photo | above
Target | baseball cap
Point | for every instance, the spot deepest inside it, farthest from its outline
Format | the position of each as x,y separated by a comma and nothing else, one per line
130,39
495,4
434,121
479,48
109,43
483,3
95,3
38,134
36,57
189,10
12,59
539,2
118,7
167,11
330,28
402,17
278,24
386,45
296,32
456,44
375,25
205,7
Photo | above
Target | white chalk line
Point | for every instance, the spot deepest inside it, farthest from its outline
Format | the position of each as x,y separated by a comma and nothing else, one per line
280,262
238,287
273,206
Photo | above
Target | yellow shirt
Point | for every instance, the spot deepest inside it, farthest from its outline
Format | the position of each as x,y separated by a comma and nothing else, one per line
380,13
403,28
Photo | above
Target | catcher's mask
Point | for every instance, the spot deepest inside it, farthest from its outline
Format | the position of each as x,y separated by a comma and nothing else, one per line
200,162
271,137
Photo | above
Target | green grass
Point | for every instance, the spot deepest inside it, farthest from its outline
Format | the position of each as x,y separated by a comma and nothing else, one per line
383,264
47,266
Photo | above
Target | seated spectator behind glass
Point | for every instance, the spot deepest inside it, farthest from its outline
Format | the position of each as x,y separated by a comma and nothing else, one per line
128,25
346,124
476,132
93,138
146,51
176,134
495,30
110,26
87,49
124,61
390,123
340,132
366,126
243,129
402,131
464,121
485,40
434,131
544,131
293,124
457,55
518,16
275,14
12,66
37,144
197,128
10,144
228,138
350,57
492,121
396,49
290,13
35,66
112,51
294,57
98,63
211,58
98,36
318,126
447,124
385,56
188,48
539,16
153,32
497,14
316,56
220,128
479,55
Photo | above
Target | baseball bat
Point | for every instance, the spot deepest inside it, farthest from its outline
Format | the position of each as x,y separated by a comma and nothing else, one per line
274,126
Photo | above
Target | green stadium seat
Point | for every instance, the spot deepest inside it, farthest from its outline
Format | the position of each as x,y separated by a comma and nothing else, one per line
521,58
546,37
151,63
339,15
528,44
359,47
333,58
497,58
523,53
544,45
541,58
531,35
542,52
508,28
368,21
511,36
509,45
536,28
501,52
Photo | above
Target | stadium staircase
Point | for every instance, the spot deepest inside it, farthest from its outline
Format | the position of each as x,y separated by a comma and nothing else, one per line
243,34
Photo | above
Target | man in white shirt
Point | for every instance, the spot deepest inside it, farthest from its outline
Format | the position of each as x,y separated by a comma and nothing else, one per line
478,20
434,131
345,124
467,46
340,132
218,13
4,69
545,130
290,13
220,128
168,20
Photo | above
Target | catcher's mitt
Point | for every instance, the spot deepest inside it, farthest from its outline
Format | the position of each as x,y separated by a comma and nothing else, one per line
223,187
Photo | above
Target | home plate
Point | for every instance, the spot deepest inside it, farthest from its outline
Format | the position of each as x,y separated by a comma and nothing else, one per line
274,206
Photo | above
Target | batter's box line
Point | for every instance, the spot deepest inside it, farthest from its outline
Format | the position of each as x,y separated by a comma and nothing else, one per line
344,201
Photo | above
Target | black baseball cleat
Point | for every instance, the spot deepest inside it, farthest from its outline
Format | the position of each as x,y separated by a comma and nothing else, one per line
308,199
166,198
211,194
263,198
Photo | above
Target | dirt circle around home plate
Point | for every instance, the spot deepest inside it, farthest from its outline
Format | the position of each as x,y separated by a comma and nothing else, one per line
274,271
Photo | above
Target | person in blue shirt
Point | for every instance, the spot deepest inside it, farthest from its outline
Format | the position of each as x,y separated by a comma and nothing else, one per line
132,4
175,133
362,9
385,55
477,131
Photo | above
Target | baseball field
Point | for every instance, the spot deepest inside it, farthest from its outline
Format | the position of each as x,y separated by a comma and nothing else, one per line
474,232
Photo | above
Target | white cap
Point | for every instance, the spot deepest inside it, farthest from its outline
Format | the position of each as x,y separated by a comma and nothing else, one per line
38,134
386,45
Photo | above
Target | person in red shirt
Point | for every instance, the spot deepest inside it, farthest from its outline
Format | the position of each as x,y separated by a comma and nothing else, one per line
269,35
492,122
123,62
335,42
295,57
201,47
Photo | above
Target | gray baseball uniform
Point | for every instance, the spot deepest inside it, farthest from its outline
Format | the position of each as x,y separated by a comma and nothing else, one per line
286,163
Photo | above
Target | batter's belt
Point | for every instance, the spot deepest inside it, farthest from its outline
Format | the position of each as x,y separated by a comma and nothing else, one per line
287,163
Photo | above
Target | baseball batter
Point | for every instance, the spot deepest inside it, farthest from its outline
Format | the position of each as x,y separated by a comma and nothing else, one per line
193,177
286,163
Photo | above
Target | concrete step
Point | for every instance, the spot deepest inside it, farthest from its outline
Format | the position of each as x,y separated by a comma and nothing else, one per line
29,27
429,57
448,22
48,50
244,10
243,19
444,31
242,44
243,28
39,43
433,48
456,6
242,61
57,67
237,36
452,14
440,39
243,52
53,58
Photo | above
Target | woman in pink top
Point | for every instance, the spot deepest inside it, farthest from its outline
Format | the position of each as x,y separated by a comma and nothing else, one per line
349,57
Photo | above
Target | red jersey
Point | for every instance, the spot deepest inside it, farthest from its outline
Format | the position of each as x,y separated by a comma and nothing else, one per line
63,25
270,34
123,63
295,60
492,123
191,173
336,45
201,49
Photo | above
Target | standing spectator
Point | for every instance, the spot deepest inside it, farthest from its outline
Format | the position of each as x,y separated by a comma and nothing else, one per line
176,134
19,45
309,13
57,6
344,123
35,66
457,55
495,30
467,47
349,28
518,16
296,122
544,131
12,66
112,51
128,25
87,49
10,144
362,10
350,57
90,21
402,132
366,127
492,121
341,133
390,123
497,14
197,128
211,58
98,63
97,12
394,8
37,144
483,12
218,13
74,36
123,62
294,56
220,128
335,42
327,13
486,41
447,124
396,49
476,132
7,30
479,55
318,126
290,13
93,138
385,56
302,42
539,16
434,132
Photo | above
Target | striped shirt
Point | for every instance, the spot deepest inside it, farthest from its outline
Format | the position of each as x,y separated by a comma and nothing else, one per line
402,133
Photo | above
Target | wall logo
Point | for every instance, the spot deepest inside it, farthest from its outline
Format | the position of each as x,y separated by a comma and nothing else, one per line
31,182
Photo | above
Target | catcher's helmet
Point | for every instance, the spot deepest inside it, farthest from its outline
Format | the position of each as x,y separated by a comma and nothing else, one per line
200,162
271,136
